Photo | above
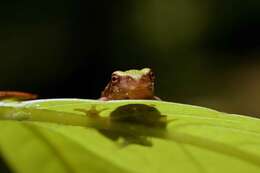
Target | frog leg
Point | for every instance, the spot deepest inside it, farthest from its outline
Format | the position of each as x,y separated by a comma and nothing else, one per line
156,98
103,99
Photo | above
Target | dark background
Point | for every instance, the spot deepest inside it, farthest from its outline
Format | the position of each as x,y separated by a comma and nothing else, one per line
203,52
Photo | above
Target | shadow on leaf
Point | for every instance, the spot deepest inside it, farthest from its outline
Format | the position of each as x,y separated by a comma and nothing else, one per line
134,124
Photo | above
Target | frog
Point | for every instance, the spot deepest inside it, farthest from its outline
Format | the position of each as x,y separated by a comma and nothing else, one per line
17,95
128,124
130,84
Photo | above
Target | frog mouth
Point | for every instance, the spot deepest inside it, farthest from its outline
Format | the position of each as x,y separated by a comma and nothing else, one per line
139,93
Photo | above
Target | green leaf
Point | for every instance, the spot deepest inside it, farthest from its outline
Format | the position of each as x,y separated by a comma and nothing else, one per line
54,136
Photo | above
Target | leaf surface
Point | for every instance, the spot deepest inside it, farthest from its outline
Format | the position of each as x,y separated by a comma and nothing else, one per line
54,136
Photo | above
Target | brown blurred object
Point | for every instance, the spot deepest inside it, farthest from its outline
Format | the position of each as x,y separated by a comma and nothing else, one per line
17,95
241,94
245,87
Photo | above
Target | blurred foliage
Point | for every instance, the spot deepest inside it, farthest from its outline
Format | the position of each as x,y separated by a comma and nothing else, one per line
203,52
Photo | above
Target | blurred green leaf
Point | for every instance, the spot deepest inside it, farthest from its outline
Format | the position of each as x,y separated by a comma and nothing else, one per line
53,136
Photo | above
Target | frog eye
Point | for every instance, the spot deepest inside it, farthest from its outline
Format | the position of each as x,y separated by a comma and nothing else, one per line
152,76
114,78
